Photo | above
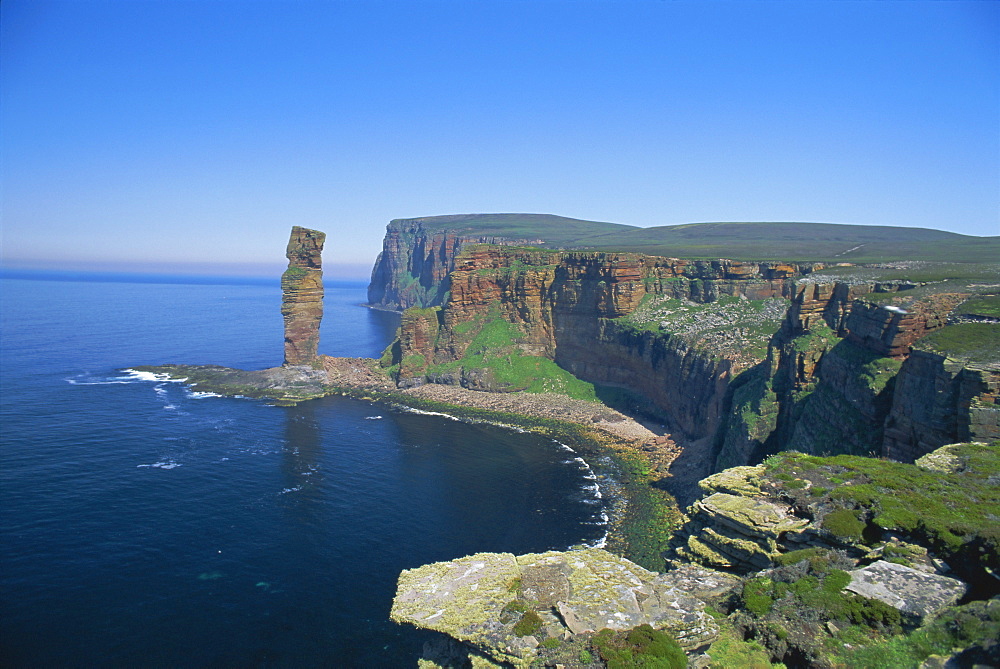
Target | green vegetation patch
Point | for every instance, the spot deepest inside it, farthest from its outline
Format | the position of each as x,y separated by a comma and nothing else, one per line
294,273
730,650
970,342
942,276
988,306
787,241
529,623
955,514
815,594
844,523
974,627
651,517
640,646
494,356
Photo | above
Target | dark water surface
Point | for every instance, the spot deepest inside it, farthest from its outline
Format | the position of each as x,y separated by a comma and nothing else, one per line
145,525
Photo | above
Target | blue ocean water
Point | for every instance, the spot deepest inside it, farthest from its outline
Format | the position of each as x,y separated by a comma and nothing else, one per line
144,525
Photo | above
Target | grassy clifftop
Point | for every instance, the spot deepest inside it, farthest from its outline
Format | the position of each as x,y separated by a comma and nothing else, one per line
789,241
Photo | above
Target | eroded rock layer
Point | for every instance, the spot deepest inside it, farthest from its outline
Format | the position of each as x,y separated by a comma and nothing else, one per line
820,380
302,295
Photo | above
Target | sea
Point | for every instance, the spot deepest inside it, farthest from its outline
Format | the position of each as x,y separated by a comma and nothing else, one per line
143,524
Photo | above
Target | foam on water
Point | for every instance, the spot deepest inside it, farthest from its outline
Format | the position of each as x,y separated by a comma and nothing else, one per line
200,394
365,492
428,413
136,375
163,464
591,494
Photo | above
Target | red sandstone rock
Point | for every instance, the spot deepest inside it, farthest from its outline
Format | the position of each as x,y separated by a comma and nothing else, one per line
302,295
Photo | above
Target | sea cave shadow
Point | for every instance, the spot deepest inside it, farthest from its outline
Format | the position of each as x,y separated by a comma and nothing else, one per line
692,464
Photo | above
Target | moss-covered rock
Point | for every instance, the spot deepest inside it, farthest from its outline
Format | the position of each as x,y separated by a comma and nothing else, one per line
503,606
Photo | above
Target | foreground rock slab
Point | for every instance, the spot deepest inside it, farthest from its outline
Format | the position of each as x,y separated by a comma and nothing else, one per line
504,606
913,592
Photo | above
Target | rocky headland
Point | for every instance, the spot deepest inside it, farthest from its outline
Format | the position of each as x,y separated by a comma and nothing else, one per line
807,561
754,392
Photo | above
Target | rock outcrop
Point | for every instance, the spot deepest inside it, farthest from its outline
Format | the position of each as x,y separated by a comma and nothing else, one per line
302,295
841,376
748,517
939,401
505,606
914,593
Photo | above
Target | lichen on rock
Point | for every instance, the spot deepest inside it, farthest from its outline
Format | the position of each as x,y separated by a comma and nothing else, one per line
481,599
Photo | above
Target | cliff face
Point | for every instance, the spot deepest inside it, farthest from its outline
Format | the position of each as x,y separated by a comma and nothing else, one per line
937,399
834,373
675,335
568,307
302,295
412,269
416,260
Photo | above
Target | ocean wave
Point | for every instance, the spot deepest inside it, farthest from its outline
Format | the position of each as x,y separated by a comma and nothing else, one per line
421,412
129,376
163,464
136,375
373,417
285,491
201,394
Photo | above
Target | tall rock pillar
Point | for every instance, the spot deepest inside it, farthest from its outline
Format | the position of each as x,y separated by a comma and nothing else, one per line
302,295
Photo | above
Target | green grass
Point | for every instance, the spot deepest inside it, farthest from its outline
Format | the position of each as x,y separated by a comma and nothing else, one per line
988,305
977,623
640,647
789,241
554,231
494,349
970,342
844,523
529,623
955,514
730,650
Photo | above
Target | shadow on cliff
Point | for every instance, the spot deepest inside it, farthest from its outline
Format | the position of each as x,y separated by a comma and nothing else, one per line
696,457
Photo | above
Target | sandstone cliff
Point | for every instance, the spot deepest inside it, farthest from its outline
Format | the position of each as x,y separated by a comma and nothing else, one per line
508,304
302,295
741,359
412,269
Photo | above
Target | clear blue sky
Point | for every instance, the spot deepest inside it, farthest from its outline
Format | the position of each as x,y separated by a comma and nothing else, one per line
195,131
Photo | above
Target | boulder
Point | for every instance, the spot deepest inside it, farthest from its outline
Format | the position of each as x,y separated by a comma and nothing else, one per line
913,592
744,481
481,599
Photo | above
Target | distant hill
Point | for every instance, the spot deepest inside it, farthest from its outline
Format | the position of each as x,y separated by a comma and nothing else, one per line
555,231
789,241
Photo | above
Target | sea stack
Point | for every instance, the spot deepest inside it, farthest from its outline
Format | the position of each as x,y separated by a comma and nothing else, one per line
302,295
